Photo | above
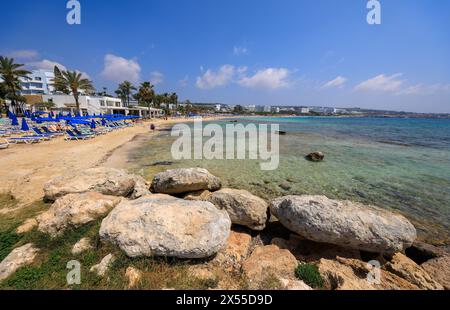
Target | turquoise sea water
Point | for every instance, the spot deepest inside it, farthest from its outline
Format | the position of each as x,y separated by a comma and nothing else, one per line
397,164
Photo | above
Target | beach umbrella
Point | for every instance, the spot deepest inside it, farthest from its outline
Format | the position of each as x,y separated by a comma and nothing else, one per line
93,124
8,113
33,118
25,125
14,122
103,122
69,115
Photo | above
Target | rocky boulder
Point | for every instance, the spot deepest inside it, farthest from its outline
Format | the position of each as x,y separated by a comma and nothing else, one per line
161,225
243,207
198,195
179,181
107,181
439,270
353,274
413,273
75,210
133,276
268,261
18,258
83,245
344,223
315,156
236,251
141,187
102,268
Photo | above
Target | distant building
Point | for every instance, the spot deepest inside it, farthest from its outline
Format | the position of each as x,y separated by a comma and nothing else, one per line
251,108
304,110
39,82
267,109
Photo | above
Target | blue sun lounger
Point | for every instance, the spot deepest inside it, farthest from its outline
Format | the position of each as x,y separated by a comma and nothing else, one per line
26,140
46,130
71,136
44,134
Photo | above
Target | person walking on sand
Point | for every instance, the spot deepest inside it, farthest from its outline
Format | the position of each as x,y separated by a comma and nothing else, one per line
152,127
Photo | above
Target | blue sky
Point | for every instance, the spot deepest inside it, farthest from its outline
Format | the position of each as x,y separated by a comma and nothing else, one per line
285,52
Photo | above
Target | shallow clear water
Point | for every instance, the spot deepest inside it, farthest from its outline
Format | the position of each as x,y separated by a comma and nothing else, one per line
397,164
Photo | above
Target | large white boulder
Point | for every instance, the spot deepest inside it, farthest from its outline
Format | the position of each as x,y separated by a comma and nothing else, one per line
107,181
18,258
75,210
179,181
161,225
344,223
243,207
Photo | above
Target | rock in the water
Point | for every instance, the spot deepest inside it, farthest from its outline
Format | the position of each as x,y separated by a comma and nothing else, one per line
243,207
413,273
179,181
107,181
315,156
134,276
161,225
27,226
439,270
101,268
344,223
202,195
75,210
18,258
353,274
83,245
267,261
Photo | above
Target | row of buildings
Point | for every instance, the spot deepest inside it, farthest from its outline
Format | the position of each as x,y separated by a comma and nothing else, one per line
40,94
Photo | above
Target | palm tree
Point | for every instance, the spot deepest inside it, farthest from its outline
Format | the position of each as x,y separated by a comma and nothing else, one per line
174,100
73,81
146,95
125,91
11,73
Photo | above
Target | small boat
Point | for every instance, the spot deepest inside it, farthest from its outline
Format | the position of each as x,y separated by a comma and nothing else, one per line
282,133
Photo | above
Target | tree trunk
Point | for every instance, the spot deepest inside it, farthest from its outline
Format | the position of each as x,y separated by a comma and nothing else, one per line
77,103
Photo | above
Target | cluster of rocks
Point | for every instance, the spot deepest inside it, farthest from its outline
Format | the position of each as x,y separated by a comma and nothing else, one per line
186,214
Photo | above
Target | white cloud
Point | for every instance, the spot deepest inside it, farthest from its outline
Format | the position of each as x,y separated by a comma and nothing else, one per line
119,69
211,79
337,82
270,78
421,89
382,83
46,64
24,54
240,50
156,77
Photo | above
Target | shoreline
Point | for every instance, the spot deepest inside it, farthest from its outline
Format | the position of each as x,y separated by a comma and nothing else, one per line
25,168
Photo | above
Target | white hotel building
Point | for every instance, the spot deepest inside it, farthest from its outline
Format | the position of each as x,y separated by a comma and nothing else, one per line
38,88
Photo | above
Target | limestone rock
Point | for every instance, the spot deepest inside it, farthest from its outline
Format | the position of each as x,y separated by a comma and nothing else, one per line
243,207
294,285
161,225
75,210
410,271
353,274
18,258
202,195
83,245
236,251
439,270
27,226
107,181
344,223
179,181
134,276
101,268
141,187
267,261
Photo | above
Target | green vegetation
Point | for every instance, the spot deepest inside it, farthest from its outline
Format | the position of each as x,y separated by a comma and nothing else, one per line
309,274
49,269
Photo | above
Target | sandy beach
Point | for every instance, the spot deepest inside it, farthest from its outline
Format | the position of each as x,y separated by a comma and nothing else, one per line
25,168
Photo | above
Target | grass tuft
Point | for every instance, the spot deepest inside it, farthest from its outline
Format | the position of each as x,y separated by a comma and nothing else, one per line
309,274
